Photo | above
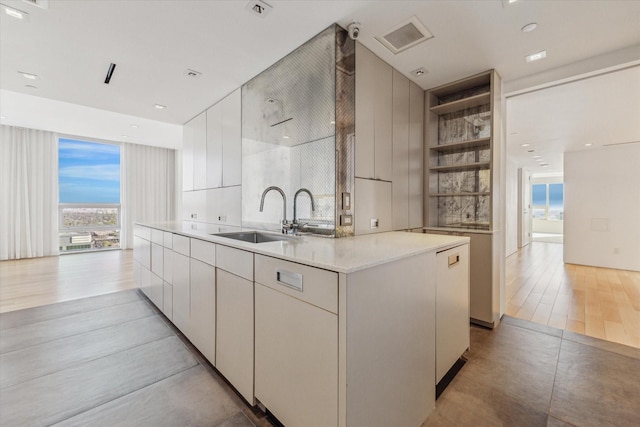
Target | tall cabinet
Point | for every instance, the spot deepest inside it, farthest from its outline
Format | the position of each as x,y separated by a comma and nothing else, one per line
463,158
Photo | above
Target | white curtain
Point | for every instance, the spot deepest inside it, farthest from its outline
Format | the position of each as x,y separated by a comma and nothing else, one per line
29,193
146,186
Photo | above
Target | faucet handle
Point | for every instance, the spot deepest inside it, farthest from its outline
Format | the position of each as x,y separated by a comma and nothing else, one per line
287,226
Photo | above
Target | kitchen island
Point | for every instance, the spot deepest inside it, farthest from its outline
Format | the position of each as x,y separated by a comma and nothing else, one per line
318,331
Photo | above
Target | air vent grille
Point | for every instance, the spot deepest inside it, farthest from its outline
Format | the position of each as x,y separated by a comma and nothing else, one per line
405,36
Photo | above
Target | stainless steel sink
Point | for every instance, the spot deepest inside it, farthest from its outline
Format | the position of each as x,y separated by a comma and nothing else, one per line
254,236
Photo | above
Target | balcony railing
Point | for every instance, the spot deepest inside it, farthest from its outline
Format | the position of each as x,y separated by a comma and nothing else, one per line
88,227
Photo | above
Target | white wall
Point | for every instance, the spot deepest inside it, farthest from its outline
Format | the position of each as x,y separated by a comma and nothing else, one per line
602,207
511,201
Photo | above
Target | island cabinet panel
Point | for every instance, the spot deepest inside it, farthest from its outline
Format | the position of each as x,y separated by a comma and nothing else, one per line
202,321
181,292
296,363
389,347
234,331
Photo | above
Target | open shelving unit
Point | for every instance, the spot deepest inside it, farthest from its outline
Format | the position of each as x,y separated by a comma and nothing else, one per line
463,159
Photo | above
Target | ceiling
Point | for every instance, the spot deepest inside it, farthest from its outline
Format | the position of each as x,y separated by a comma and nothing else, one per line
70,45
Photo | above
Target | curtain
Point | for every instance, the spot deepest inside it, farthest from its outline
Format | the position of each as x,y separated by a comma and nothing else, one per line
146,187
29,193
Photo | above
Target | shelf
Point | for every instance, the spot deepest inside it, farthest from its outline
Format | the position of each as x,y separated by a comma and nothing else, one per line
483,193
462,104
461,167
463,144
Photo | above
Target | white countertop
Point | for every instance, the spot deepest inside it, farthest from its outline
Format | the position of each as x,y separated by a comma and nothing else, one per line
343,255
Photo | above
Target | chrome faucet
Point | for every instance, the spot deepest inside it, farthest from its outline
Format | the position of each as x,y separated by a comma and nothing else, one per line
285,224
295,205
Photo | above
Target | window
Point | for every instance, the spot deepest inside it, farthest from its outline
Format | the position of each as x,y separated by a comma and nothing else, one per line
547,201
89,199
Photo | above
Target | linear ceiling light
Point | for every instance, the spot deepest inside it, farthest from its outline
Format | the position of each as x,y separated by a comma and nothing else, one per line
536,56
15,13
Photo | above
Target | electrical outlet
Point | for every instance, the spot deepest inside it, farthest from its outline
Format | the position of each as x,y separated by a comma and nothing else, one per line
346,219
374,222
194,226
194,215
222,218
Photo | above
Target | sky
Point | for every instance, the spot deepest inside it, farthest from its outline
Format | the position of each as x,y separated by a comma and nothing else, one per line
89,172
539,195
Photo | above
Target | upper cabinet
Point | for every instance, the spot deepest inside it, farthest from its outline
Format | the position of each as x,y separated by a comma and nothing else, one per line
212,146
463,153
374,105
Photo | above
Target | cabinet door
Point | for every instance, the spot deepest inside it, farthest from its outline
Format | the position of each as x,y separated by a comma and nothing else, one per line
365,89
372,202
383,114
157,262
416,154
156,291
452,307
199,166
400,184
188,135
232,139
167,300
214,146
202,323
167,270
181,292
234,331
296,366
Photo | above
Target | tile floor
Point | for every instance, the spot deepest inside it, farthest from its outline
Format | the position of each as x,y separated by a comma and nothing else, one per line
113,360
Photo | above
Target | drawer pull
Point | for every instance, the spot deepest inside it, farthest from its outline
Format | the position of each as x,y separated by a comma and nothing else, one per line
287,278
454,259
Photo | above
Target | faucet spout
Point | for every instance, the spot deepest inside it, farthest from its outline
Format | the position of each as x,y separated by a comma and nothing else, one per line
295,203
284,202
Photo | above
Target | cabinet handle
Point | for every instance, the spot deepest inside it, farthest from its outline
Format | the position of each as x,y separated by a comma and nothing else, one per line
287,278
454,259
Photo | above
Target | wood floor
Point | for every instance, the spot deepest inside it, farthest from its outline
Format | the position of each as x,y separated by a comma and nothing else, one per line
599,302
35,282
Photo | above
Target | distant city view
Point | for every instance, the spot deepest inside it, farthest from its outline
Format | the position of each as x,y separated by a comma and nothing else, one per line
89,176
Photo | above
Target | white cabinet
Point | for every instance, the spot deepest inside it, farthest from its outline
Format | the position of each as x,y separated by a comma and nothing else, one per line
214,146
373,213
416,155
202,321
400,186
194,161
232,139
296,342
234,331
374,103
181,292
452,307
408,107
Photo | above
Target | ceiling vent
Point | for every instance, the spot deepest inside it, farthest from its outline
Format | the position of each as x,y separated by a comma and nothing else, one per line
405,36
43,4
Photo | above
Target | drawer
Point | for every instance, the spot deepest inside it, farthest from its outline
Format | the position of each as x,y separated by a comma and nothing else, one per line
167,240
313,285
157,236
235,261
142,231
181,245
203,251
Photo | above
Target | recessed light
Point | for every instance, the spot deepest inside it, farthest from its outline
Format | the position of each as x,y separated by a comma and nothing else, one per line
536,56
28,75
529,27
258,8
286,136
587,145
332,122
160,107
31,86
419,72
536,157
539,160
2,117
525,145
512,1
134,126
15,13
125,136
531,151
544,165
